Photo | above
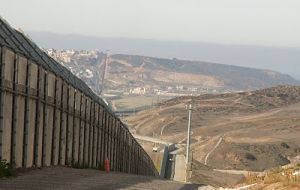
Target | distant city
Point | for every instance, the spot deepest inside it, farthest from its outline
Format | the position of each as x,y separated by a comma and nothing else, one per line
88,65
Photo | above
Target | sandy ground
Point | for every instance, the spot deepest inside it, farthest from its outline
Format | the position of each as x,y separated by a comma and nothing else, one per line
61,178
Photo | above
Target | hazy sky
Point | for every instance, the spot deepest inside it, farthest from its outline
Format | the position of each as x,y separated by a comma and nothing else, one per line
254,22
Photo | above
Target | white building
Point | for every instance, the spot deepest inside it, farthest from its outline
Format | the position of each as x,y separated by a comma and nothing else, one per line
138,90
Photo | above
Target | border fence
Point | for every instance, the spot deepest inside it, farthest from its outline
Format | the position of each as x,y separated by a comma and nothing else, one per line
50,117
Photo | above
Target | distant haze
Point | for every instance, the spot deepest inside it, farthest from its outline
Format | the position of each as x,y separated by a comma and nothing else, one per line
187,29
251,22
284,60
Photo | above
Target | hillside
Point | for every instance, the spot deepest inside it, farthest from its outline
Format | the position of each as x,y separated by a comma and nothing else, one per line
252,131
197,73
170,77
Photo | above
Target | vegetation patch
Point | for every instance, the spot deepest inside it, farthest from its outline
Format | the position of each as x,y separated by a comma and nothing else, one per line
6,169
285,145
250,157
277,178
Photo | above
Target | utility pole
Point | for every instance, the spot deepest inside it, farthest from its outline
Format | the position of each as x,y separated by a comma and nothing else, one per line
188,136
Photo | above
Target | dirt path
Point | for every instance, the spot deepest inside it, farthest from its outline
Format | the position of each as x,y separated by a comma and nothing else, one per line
163,128
215,147
61,178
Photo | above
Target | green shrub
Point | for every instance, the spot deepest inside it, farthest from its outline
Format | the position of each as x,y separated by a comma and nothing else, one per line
250,157
6,169
285,145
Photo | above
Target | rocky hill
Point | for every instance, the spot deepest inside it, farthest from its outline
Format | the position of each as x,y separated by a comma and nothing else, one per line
250,131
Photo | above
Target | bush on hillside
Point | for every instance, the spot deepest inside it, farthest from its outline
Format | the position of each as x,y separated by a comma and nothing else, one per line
6,169
285,145
250,157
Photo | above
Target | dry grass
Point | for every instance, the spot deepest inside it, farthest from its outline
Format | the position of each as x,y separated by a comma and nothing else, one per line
135,102
132,102
278,178
261,128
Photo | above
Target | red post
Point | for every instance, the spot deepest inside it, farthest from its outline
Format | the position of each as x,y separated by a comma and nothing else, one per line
107,165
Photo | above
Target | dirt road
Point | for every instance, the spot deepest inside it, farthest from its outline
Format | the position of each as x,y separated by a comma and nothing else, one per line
61,178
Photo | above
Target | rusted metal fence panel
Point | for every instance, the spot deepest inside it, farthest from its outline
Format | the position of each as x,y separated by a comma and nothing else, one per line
31,110
39,123
20,110
70,125
6,103
76,126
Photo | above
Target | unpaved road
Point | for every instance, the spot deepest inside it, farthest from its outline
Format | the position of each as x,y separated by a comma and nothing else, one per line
62,178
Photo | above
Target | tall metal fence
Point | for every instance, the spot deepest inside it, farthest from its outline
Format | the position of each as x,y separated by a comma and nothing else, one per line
50,117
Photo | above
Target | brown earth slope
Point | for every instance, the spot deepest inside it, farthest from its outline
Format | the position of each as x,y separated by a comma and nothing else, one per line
129,71
255,130
142,70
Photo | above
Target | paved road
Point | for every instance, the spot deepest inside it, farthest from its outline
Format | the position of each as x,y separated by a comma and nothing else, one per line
150,139
61,178
180,170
